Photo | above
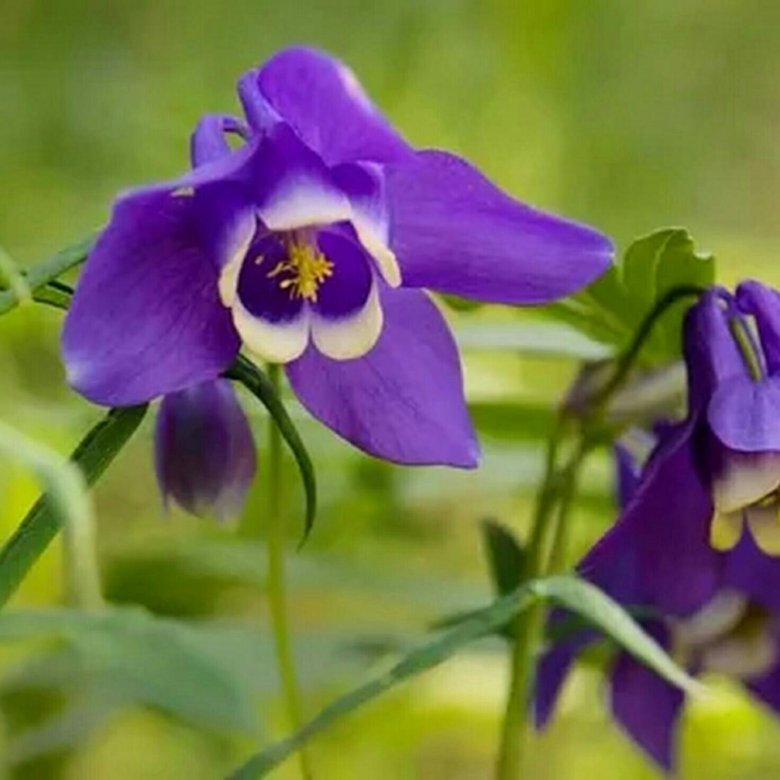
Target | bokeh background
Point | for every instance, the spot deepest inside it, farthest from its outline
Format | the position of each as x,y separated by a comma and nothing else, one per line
631,116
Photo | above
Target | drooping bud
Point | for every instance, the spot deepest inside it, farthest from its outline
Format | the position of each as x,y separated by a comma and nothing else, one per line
205,453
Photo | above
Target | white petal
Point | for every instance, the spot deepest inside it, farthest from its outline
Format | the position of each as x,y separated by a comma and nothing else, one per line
742,657
371,237
349,337
272,342
714,619
301,201
228,277
748,478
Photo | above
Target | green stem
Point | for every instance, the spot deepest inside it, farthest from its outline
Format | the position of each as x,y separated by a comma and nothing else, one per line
43,273
266,391
626,361
528,626
276,538
15,280
559,546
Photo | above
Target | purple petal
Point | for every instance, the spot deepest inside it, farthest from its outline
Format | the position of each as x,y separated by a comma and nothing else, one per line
223,194
404,400
260,289
346,318
237,166
745,415
711,353
323,101
227,223
455,232
346,291
752,572
764,304
205,454
553,669
364,185
208,142
294,188
274,324
627,473
648,708
658,553
146,319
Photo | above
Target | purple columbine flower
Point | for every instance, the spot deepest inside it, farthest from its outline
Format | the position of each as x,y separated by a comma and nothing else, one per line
309,245
736,353
734,630
733,356
205,453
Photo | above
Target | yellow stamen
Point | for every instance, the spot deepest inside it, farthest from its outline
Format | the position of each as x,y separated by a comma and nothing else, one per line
304,270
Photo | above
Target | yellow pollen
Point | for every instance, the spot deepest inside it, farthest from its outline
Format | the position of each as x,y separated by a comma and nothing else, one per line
304,270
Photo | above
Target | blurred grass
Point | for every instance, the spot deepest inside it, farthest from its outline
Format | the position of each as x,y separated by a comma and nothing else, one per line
630,116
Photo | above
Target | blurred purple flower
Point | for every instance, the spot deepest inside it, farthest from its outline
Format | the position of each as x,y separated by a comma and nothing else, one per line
308,245
719,469
205,454
723,616
734,350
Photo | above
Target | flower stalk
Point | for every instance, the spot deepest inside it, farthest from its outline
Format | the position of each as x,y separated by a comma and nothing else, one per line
277,596
527,628
550,518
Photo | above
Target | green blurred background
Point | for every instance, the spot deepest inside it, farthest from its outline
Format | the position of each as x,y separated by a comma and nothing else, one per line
627,115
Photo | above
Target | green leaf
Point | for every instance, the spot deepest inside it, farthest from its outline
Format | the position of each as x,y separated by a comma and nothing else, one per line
611,309
201,674
506,561
261,387
40,275
603,612
577,595
92,456
506,557
417,661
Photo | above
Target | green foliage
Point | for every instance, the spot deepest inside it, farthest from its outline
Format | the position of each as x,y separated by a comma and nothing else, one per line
92,456
203,674
615,622
581,597
13,279
612,309
506,558
71,504
43,273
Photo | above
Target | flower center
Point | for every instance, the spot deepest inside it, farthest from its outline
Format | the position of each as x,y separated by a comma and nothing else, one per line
304,269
